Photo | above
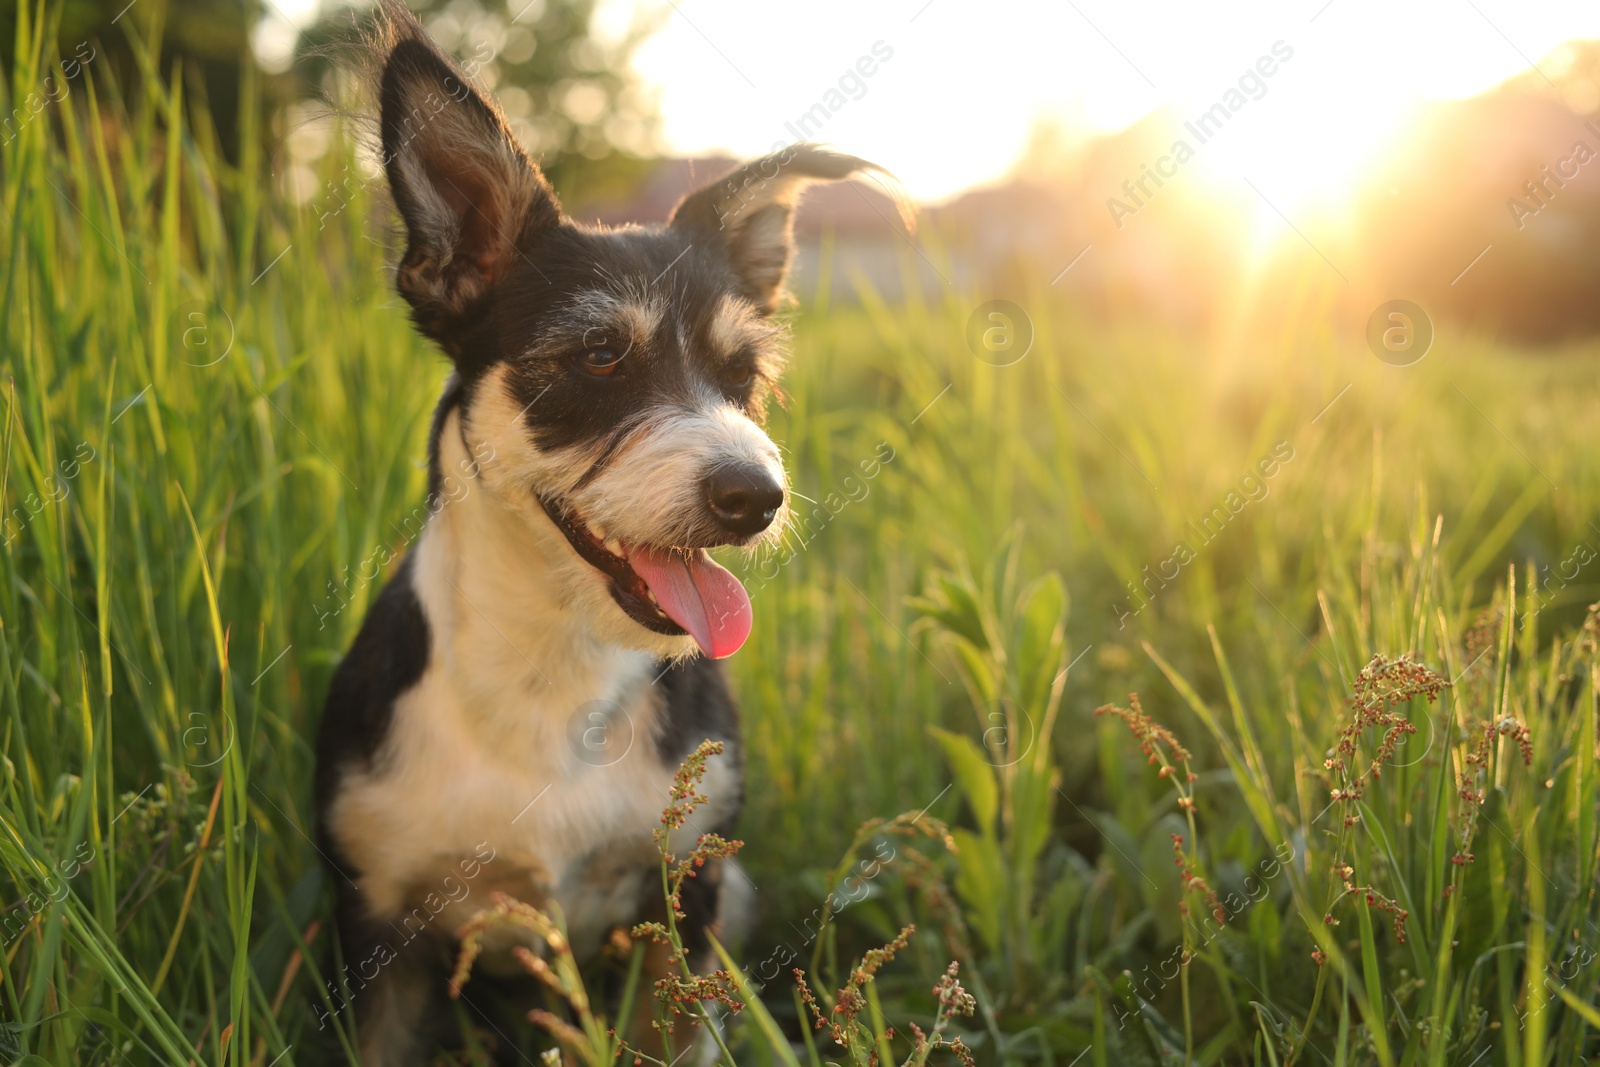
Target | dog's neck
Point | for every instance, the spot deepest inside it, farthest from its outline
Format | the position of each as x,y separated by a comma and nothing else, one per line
488,578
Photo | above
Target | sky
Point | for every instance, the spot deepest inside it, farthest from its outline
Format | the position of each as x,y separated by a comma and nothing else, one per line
956,87
955,104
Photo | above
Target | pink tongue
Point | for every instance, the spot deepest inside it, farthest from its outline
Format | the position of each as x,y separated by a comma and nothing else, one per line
699,596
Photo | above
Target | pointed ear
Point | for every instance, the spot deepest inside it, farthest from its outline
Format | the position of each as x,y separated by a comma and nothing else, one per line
751,213
468,193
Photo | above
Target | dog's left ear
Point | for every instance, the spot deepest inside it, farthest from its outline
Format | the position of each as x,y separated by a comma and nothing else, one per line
467,191
750,213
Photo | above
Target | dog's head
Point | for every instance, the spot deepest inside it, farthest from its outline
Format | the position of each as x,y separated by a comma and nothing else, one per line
617,377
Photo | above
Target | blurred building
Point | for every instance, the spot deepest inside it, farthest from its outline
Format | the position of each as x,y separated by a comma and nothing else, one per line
1486,213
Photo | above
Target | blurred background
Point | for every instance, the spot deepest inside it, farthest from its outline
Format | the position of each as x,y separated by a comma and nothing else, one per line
1214,165
1191,215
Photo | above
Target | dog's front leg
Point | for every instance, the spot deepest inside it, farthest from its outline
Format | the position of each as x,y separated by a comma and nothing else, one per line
717,902
395,987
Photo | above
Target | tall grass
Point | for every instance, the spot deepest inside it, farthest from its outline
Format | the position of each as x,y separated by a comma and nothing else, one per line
214,418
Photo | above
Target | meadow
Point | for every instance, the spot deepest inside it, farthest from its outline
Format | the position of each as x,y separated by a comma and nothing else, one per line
1349,818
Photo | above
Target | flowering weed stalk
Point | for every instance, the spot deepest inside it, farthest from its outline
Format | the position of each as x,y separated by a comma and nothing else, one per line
920,872
1383,685
1162,748
842,1017
588,1038
687,993
592,1040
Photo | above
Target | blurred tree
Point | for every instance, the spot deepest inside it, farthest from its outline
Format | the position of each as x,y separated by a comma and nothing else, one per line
208,39
566,84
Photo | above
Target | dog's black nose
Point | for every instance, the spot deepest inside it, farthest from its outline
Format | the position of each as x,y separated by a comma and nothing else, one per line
744,498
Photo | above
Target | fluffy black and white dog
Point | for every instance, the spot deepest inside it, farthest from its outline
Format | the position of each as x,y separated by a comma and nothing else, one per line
602,426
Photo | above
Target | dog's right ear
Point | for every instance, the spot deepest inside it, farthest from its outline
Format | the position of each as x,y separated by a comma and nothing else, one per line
467,191
749,214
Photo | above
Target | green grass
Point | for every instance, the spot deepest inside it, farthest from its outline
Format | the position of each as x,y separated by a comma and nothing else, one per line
215,415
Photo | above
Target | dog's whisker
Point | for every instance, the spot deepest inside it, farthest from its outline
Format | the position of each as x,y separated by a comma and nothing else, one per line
604,447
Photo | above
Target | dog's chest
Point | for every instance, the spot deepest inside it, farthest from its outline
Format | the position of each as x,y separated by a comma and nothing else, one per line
548,792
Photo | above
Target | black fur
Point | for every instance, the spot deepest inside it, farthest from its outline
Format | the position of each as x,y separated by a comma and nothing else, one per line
498,277
388,657
698,705
453,390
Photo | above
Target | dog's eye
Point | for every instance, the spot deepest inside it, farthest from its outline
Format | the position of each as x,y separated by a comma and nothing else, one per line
601,362
737,375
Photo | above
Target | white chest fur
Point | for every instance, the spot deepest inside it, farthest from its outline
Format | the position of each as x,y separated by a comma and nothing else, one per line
528,748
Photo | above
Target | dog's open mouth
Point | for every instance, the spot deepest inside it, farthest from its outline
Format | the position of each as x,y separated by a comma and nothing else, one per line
669,590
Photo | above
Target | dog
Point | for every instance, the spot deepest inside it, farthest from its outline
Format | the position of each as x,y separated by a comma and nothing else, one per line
521,693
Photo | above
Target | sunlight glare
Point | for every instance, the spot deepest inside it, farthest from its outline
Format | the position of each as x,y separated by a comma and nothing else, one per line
956,104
